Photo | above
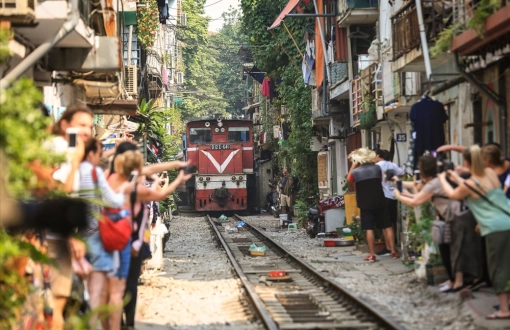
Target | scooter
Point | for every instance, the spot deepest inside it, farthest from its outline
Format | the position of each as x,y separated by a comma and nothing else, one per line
316,223
317,218
275,208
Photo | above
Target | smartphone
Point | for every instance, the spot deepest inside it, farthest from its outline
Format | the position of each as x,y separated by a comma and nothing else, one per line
399,186
190,169
417,177
133,176
389,175
72,135
165,175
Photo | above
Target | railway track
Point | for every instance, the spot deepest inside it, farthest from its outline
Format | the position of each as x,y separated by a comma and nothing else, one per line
304,299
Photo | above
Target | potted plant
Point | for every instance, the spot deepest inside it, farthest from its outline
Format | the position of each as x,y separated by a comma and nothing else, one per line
358,233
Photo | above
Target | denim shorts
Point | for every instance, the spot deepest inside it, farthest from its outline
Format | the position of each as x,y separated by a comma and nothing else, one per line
124,260
100,260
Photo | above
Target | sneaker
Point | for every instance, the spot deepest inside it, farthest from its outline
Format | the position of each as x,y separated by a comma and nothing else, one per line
384,252
370,258
394,255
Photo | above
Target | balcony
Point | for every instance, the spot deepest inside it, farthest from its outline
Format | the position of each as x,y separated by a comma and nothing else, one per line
339,75
357,12
495,33
406,42
49,18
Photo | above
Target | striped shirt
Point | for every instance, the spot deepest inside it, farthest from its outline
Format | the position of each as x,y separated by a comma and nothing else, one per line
90,189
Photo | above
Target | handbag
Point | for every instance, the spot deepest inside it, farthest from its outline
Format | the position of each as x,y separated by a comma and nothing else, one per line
114,225
440,232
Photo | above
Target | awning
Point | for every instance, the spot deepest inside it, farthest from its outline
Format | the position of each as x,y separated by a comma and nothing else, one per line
288,8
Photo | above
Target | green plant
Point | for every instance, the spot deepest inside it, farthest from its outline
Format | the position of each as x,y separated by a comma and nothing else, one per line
368,118
14,288
420,230
356,231
147,21
5,34
443,42
302,210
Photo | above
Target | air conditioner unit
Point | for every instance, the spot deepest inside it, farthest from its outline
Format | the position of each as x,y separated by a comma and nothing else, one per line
179,78
181,20
17,11
131,79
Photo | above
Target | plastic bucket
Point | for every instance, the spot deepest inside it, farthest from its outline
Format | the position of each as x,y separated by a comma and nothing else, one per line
283,217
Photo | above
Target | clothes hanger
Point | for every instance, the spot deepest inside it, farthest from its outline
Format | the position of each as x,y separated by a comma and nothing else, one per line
357,34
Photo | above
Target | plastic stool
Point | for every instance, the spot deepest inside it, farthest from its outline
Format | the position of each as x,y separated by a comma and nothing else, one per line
292,226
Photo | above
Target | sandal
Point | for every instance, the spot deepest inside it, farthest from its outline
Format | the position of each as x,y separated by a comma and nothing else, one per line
495,316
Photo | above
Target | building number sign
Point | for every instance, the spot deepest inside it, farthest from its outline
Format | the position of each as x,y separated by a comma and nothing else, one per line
401,137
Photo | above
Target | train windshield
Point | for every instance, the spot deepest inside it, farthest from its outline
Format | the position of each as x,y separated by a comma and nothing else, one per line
239,134
200,135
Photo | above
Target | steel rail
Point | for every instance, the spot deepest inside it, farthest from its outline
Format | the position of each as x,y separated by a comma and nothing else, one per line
255,299
382,317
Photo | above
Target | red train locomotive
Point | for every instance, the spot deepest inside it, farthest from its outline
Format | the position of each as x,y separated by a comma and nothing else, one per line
222,150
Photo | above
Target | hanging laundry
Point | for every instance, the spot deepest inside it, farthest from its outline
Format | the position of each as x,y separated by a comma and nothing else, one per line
307,67
428,117
330,53
266,89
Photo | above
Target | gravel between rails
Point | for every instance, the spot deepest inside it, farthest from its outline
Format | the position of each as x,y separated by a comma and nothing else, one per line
196,288
403,297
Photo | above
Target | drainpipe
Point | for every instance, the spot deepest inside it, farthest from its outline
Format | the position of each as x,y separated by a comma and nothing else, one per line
43,49
423,37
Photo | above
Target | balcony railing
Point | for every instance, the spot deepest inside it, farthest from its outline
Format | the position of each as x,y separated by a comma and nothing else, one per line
405,31
339,71
344,5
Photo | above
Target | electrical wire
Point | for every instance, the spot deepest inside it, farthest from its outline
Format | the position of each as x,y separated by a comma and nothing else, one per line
212,4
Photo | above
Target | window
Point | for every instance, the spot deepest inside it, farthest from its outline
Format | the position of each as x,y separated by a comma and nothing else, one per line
200,135
238,134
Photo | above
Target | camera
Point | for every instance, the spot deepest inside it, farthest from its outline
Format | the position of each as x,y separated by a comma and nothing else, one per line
389,175
444,165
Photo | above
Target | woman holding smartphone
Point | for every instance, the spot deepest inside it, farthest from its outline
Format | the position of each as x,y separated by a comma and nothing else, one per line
432,191
125,279
73,129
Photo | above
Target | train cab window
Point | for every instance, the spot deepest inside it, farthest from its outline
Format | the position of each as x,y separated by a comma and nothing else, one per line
238,134
200,135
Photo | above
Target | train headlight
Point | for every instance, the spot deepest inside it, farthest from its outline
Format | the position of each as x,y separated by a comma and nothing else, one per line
233,178
200,179
220,124
207,124
222,129
216,129
240,178
208,179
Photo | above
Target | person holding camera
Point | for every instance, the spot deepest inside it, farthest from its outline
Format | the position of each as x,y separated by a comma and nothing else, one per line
462,255
390,170
491,209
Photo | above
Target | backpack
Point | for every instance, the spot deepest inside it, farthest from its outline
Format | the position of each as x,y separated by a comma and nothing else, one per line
114,225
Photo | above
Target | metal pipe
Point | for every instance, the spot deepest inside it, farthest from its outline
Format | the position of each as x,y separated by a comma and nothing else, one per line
423,37
130,41
43,49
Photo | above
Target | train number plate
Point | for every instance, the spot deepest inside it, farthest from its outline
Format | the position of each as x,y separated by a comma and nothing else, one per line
220,146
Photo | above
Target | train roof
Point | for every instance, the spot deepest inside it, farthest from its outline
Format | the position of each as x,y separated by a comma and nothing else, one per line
215,120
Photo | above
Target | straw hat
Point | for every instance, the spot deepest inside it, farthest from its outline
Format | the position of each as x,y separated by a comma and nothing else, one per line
362,155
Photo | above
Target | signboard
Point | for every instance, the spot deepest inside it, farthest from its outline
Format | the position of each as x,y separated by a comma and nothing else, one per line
401,137
220,146
322,169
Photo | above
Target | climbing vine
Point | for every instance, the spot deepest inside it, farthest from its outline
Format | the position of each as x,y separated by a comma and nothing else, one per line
274,51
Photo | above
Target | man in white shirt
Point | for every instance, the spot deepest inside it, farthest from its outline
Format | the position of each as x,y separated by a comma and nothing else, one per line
383,161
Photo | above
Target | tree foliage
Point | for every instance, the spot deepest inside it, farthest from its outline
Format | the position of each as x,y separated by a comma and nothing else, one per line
275,52
201,65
